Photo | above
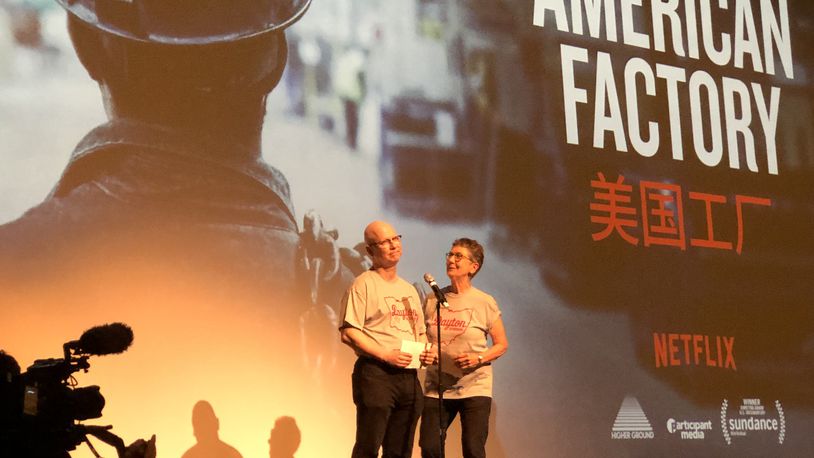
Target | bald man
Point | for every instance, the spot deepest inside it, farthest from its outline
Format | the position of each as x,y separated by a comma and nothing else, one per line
379,311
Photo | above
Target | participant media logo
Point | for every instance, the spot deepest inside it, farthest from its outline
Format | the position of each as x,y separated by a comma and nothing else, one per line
752,418
689,429
631,422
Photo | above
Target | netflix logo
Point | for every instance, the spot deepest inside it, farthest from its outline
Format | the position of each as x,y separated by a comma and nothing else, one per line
672,349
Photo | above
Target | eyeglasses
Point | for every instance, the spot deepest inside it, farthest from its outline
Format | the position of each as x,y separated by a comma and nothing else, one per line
392,241
458,256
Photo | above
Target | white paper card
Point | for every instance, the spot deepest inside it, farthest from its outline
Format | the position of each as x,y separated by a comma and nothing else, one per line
415,349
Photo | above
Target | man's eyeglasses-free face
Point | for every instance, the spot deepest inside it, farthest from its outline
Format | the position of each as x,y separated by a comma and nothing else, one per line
392,241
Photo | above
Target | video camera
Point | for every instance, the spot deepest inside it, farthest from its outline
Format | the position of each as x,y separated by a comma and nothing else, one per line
44,420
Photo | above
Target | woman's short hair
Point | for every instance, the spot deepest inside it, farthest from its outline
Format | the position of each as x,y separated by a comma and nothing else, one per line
475,248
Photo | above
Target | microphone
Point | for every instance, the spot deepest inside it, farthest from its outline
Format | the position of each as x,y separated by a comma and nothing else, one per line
106,339
439,295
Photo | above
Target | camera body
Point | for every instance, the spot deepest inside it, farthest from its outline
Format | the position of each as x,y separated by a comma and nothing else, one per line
52,405
48,392
41,419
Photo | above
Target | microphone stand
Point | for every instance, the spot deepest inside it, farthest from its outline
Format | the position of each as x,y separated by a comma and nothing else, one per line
441,432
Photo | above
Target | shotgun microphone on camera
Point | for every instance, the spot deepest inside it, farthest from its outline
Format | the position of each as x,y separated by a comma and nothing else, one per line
106,339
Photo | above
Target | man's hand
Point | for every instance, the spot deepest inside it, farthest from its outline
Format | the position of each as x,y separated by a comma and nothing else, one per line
398,358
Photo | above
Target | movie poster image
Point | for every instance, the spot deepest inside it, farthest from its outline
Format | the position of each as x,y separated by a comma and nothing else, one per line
638,174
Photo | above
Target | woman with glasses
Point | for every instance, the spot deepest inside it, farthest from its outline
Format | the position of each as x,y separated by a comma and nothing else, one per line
466,358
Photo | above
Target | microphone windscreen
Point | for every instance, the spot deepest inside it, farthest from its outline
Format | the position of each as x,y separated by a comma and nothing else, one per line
428,278
106,339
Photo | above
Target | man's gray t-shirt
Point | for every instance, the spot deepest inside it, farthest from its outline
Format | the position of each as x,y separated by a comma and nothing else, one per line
386,311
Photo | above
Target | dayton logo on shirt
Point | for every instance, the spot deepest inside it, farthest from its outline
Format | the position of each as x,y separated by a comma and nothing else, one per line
453,323
402,314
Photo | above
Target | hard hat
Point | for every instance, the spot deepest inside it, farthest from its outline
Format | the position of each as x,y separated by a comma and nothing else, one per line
187,22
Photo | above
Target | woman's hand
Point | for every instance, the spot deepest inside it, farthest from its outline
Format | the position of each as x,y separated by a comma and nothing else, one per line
467,361
429,356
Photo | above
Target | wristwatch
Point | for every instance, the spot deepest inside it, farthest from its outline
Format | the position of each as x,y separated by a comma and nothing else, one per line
480,358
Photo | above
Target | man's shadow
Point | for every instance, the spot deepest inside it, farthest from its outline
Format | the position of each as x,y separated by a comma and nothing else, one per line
285,438
205,427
